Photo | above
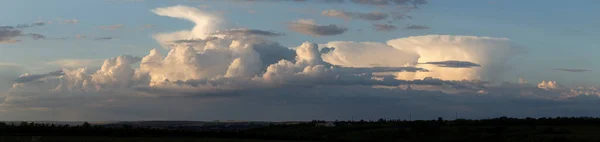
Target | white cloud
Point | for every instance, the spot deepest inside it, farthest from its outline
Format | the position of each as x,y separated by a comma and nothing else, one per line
76,63
205,23
232,77
367,54
493,54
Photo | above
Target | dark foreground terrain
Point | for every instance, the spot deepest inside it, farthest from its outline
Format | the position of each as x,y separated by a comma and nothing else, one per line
581,129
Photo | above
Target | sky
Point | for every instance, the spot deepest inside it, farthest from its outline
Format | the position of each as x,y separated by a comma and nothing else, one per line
280,60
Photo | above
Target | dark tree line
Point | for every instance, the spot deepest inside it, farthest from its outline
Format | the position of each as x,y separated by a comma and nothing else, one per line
496,129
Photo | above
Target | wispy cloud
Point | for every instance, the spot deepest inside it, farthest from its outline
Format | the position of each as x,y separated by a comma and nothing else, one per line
454,64
572,70
112,27
373,16
104,38
384,27
247,32
310,27
417,27
70,21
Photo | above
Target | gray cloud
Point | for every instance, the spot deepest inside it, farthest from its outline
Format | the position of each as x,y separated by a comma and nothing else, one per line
417,27
8,35
193,41
384,27
36,36
112,27
326,50
391,2
247,32
572,70
400,15
104,38
304,103
414,3
454,64
309,27
33,77
23,26
373,16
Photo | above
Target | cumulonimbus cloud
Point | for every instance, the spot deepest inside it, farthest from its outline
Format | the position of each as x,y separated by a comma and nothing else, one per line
310,27
328,77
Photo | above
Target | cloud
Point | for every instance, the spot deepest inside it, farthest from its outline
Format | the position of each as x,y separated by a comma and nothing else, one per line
80,36
367,54
384,27
454,64
415,3
104,38
76,63
36,36
310,27
572,70
373,16
8,35
417,27
225,77
191,41
33,77
493,54
112,27
247,32
70,21
205,23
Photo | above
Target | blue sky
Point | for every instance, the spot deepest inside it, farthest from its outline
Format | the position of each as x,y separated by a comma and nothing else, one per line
554,34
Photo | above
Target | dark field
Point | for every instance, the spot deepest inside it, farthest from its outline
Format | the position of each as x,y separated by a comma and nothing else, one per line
119,139
489,130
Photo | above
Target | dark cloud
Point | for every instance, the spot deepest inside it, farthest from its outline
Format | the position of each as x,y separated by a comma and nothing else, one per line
384,27
417,27
273,52
572,70
415,3
36,36
454,64
194,41
326,50
400,15
33,77
373,16
309,27
8,35
23,26
247,32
